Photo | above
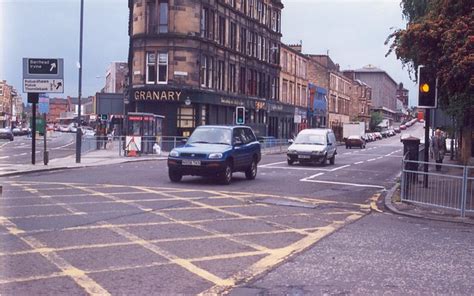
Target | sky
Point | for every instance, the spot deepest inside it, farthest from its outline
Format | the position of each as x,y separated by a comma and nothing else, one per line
352,31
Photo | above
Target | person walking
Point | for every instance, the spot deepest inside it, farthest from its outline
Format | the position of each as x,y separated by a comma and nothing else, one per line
438,148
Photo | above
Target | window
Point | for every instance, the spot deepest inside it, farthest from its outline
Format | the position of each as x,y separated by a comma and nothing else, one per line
243,40
151,10
285,91
243,72
150,67
163,16
222,30
233,36
207,23
186,117
204,71
163,68
232,78
259,47
221,76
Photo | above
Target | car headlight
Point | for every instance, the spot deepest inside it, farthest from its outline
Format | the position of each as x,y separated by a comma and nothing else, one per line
174,153
215,156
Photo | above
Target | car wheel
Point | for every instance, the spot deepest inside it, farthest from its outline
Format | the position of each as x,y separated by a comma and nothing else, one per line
226,176
174,176
290,162
251,172
332,160
324,160
347,147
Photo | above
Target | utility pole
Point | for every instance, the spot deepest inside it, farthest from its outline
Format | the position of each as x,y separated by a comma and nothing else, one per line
79,130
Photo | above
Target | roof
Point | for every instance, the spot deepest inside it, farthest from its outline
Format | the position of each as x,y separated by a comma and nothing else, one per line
372,69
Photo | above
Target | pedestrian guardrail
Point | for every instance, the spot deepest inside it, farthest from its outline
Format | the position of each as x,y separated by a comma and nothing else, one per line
444,186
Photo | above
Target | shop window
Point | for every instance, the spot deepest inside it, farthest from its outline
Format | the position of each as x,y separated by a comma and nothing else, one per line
163,68
186,117
150,67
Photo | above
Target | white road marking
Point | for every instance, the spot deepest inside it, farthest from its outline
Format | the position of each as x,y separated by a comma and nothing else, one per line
345,184
3,157
359,162
295,168
372,159
379,157
311,177
339,168
270,164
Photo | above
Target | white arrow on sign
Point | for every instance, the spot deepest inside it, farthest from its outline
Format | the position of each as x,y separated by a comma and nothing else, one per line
53,65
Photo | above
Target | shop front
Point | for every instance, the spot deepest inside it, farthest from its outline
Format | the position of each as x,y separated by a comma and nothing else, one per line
185,109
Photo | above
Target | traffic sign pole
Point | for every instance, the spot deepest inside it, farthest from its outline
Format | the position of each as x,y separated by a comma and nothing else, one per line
79,130
33,99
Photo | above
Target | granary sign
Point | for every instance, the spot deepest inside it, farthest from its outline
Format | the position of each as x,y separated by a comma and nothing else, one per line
157,95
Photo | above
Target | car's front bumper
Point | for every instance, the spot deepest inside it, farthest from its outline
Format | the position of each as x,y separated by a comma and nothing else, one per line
305,157
206,167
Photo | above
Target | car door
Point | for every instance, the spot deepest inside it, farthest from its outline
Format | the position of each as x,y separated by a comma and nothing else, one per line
238,142
254,146
332,144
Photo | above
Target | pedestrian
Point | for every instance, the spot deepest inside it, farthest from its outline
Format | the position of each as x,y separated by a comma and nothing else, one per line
438,148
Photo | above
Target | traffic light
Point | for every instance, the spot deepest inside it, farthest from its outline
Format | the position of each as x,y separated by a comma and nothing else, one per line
103,117
240,115
427,88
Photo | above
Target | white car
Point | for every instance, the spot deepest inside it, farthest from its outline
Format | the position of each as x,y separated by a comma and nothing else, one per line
313,145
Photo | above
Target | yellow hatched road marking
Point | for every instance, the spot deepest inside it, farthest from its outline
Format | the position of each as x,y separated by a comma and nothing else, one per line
79,276
278,256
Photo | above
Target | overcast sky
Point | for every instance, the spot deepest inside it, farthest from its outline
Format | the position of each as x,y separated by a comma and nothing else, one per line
353,31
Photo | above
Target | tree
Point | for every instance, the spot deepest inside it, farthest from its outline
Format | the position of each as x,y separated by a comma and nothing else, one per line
440,36
375,119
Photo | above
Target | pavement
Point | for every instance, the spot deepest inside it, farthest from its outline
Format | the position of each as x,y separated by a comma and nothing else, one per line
90,159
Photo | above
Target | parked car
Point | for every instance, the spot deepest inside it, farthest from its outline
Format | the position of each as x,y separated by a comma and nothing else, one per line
313,145
87,131
355,141
17,131
378,136
403,127
216,151
6,133
397,130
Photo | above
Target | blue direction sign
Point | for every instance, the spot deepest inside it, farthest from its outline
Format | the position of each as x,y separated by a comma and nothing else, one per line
43,104
43,75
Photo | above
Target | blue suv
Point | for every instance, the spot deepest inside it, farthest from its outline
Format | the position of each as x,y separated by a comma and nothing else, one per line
216,151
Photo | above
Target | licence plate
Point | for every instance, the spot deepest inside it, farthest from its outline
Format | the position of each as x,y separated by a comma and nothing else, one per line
191,162
304,156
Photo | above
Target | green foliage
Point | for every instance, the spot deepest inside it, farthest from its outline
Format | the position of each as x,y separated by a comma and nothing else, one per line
439,36
375,119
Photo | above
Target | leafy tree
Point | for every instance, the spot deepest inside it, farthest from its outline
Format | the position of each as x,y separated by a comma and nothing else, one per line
375,119
440,36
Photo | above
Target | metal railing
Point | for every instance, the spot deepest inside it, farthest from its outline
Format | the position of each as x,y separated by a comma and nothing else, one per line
154,145
451,187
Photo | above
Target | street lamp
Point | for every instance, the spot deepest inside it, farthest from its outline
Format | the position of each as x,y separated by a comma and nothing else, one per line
79,130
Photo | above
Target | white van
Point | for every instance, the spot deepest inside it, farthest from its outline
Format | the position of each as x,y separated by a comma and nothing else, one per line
313,145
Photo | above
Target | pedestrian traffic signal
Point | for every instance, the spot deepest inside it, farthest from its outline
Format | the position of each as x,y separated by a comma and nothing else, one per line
427,91
240,115
103,117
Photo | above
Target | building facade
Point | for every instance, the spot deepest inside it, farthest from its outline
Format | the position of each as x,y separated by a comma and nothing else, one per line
384,89
361,103
6,100
57,106
116,77
339,91
195,61
294,90
402,95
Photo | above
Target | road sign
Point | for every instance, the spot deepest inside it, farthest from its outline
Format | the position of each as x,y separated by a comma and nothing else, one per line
43,85
43,75
42,66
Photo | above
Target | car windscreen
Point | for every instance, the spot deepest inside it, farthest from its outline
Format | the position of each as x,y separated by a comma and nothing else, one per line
310,139
211,136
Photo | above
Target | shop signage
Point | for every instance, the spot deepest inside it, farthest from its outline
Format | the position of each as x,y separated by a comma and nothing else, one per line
158,95
232,102
260,105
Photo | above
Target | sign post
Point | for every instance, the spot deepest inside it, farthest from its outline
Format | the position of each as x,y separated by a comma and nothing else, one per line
43,75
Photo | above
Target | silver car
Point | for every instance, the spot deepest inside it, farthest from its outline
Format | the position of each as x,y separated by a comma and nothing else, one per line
313,145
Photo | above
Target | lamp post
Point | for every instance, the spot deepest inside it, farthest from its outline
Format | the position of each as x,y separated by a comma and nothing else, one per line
79,130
